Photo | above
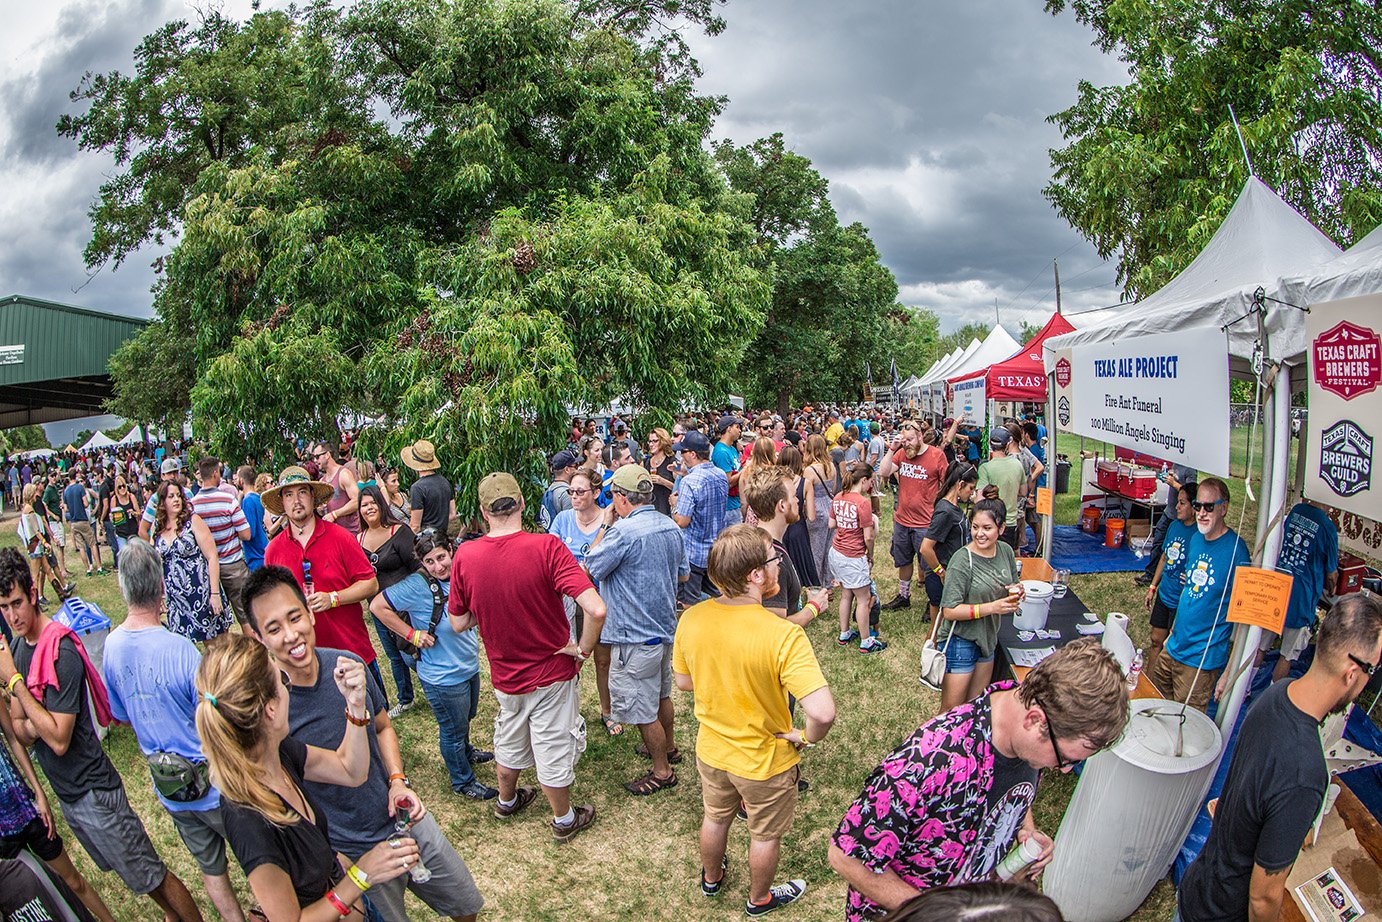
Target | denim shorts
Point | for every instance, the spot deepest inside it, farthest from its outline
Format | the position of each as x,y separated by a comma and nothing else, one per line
962,655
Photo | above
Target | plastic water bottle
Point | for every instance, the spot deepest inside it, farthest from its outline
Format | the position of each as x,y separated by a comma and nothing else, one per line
1023,854
308,587
417,872
1134,671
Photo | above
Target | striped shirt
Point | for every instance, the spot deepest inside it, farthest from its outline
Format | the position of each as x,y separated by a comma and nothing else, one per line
222,514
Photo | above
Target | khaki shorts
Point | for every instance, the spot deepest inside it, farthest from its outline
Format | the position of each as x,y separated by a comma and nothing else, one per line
1172,678
640,676
1294,640
770,804
543,729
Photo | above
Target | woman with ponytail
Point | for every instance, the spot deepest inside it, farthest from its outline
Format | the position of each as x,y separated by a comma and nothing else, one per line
277,833
851,554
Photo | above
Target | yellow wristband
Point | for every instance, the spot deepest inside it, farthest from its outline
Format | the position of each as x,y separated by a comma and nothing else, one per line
14,680
814,610
412,638
358,878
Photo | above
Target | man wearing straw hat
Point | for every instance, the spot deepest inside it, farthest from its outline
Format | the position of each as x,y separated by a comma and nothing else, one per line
431,496
328,556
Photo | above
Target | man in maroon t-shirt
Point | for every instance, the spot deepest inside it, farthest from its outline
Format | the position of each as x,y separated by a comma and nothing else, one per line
920,468
511,583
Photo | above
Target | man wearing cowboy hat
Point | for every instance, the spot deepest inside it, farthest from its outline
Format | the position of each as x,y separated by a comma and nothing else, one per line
431,496
340,573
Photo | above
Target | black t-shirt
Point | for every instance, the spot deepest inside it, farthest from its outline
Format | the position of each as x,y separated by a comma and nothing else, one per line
948,529
1275,785
27,897
302,849
85,766
1014,788
125,515
662,496
105,492
789,595
395,560
432,494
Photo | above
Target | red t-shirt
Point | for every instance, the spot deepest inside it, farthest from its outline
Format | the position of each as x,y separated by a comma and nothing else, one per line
918,482
514,585
853,513
338,563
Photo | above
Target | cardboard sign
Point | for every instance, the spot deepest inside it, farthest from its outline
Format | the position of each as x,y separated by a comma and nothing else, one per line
1045,500
1260,598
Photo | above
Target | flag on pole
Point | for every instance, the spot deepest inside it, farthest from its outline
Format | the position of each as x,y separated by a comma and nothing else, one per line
897,389
868,375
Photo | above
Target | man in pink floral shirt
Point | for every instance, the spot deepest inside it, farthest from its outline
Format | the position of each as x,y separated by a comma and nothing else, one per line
948,804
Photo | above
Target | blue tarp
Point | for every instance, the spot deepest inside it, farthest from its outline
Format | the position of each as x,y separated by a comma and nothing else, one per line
1081,552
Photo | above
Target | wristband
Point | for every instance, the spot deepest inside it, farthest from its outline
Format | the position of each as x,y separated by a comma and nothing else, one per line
398,776
974,613
814,610
938,570
14,680
356,721
412,638
335,598
337,904
358,877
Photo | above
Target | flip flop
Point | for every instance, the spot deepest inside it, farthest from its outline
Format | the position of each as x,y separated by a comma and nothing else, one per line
613,727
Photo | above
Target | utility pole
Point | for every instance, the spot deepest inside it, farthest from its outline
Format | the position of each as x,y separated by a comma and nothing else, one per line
996,321
1056,264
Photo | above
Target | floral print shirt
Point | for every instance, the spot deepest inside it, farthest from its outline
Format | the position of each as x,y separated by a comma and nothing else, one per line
930,813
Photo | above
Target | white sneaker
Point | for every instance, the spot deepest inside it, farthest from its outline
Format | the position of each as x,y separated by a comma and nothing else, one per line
397,710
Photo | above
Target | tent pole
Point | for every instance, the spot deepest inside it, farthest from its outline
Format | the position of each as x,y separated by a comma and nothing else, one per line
1048,525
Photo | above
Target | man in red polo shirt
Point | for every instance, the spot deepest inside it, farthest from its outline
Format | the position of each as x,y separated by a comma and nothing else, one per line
920,468
340,572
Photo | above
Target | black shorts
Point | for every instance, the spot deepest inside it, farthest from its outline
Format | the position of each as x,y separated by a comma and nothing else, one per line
1012,534
1163,616
906,545
34,837
933,588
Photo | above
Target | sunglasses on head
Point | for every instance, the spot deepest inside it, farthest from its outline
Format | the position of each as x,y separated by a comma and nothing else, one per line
1369,668
1205,507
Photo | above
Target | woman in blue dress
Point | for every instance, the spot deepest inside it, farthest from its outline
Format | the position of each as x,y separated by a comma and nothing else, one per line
191,568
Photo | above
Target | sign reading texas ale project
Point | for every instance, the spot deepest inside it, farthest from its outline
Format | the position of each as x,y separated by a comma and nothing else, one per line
1344,351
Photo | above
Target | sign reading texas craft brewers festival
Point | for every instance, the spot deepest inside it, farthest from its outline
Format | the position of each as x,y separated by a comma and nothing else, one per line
1345,355
1164,395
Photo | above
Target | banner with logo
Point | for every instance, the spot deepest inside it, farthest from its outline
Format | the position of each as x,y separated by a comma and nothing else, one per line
1164,395
969,404
1344,352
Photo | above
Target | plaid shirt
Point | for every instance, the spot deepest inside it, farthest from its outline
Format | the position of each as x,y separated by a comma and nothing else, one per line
703,495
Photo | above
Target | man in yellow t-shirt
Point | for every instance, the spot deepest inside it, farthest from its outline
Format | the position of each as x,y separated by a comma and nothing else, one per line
742,661
834,430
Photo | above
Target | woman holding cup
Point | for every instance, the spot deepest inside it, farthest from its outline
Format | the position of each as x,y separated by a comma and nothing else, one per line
982,583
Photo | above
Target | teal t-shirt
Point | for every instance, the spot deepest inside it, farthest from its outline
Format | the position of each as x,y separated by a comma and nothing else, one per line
1202,612
1173,550
454,658
727,460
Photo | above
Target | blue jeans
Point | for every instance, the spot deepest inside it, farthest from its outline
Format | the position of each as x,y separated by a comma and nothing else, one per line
402,675
455,707
373,667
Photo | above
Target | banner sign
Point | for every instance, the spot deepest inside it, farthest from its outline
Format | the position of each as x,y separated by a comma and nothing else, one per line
970,405
1345,355
1356,533
1164,395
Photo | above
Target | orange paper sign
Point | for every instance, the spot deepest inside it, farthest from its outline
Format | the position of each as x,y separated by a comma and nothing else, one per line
1045,498
1259,598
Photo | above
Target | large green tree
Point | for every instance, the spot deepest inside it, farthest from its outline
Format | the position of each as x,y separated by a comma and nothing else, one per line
1152,166
463,216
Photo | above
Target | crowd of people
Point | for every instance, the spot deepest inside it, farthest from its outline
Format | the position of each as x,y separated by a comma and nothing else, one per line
691,560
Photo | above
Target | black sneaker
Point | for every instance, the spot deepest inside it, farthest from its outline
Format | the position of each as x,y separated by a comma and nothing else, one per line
525,796
565,832
477,791
778,897
898,603
480,757
713,889
803,785
1142,579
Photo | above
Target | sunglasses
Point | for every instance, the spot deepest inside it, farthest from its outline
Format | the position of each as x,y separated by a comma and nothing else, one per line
1062,763
1206,507
1369,668
579,492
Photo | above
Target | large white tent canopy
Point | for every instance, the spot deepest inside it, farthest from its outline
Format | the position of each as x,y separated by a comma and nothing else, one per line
1354,273
97,440
997,346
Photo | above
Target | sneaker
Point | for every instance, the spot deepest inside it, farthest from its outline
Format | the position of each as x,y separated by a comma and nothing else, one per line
525,796
713,889
477,791
481,756
778,897
803,785
898,603
847,637
873,645
742,813
399,709
1142,579
585,815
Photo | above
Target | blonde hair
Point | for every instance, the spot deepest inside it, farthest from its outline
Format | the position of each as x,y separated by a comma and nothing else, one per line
30,493
263,482
817,451
765,487
1082,691
664,440
764,452
738,551
236,680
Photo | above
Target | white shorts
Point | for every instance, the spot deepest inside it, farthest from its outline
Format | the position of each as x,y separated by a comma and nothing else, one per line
852,572
543,729
1294,640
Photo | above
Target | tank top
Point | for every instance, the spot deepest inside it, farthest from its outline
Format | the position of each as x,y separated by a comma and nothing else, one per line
339,498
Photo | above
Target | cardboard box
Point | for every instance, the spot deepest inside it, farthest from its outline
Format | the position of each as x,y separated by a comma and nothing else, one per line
1138,528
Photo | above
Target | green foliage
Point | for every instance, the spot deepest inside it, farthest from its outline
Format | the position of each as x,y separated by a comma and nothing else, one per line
912,336
153,374
23,438
1152,167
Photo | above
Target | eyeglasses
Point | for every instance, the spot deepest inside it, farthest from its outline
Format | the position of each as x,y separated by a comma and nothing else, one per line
1369,668
1206,507
774,559
318,455
1061,762
580,492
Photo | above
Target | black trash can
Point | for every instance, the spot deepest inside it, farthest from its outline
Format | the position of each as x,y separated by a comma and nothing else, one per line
1062,476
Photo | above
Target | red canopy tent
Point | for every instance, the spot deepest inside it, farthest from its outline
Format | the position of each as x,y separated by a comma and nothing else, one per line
1021,376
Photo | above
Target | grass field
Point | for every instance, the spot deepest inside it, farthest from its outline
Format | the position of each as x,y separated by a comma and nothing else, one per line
640,860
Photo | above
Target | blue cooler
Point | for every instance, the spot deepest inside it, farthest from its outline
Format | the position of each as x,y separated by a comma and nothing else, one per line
91,625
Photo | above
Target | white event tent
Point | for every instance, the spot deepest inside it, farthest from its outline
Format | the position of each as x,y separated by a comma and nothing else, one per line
996,347
97,440
933,382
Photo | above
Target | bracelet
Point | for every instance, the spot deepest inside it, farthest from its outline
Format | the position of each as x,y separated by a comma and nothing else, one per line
412,638
938,570
398,776
358,877
337,904
14,680
335,598
356,721
974,613
814,610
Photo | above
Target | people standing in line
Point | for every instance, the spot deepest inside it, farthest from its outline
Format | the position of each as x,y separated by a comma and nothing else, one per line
947,805
229,527
796,538
725,455
851,555
819,487
191,568
150,675
920,468
1310,554
982,583
448,665
1277,775
367,815
534,665
702,494
638,558
432,498
661,464
1163,594
388,544
1196,650
56,699
274,826
760,453
343,508
741,662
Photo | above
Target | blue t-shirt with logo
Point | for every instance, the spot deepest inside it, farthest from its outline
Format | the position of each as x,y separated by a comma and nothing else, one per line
727,459
454,658
1309,552
1173,550
1202,612
565,527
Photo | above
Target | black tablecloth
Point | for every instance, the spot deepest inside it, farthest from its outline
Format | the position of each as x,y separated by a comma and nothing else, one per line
1065,615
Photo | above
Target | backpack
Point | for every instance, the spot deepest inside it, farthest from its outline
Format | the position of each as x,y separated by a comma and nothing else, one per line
548,509
407,647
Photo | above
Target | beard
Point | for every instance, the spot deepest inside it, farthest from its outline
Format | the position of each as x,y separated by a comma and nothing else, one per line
1203,528
793,516
771,587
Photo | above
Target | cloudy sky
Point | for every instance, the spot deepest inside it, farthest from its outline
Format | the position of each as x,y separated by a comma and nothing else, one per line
927,117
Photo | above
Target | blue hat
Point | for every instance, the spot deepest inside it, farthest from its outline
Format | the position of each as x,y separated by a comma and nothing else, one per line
694,440
564,459
1000,435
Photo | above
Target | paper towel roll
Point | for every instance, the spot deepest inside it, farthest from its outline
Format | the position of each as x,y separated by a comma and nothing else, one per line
1117,641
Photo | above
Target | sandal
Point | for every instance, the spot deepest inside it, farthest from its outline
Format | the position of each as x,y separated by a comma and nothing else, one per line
613,727
650,784
673,754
